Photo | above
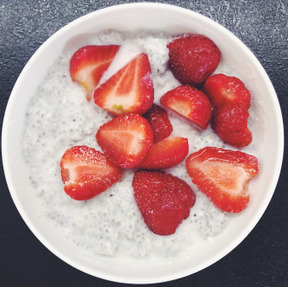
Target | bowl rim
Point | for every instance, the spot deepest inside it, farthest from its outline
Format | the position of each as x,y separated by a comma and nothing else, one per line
18,204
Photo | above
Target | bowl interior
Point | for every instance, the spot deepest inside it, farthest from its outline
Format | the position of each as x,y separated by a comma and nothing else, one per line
154,17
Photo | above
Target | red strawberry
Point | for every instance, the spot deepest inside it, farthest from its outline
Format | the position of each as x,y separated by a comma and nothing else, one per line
87,172
166,153
223,175
223,89
88,64
130,90
193,58
125,139
189,103
230,123
163,200
159,122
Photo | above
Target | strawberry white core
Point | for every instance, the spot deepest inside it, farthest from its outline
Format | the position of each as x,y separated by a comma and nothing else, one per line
234,177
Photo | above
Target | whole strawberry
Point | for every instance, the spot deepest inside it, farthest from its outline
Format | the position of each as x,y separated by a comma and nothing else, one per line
163,200
193,58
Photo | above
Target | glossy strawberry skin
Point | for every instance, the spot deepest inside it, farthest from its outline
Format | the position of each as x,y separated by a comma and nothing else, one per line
230,122
190,103
163,200
125,139
165,154
130,90
88,64
159,122
87,172
193,58
222,90
223,176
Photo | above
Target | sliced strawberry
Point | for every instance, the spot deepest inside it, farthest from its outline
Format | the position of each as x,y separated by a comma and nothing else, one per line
88,64
193,58
166,153
163,200
130,90
125,139
159,122
86,172
223,175
230,122
223,89
190,103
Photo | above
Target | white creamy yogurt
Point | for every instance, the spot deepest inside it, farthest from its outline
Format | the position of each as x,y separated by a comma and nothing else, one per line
109,224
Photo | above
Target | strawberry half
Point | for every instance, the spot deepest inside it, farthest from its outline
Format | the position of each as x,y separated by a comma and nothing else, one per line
230,122
86,172
89,63
223,175
190,103
193,58
222,90
159,122
130,90
125,139
163,200
166,153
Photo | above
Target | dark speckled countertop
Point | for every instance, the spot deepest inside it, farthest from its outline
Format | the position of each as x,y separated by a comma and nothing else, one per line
262,258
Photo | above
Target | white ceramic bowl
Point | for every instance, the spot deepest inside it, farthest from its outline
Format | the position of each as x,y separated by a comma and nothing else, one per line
269,141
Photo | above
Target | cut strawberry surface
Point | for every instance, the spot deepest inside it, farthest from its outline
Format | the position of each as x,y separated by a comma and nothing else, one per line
89,63
166,153
223,90
223,175
86,172
230,122
190,103
125,139
130,90
193,58
159,122
163,200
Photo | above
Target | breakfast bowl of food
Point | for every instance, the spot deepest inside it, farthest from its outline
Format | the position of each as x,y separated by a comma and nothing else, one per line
145,149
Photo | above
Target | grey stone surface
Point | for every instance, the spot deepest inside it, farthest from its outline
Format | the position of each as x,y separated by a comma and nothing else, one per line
262,258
